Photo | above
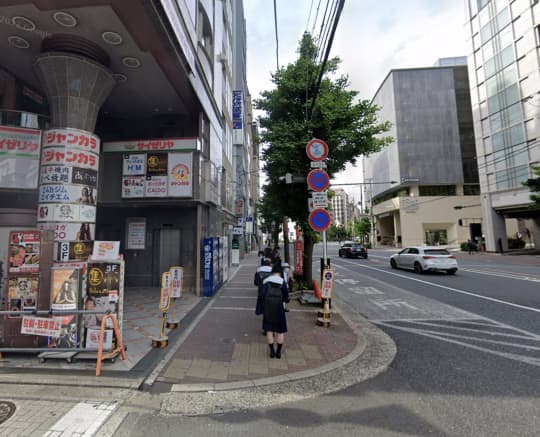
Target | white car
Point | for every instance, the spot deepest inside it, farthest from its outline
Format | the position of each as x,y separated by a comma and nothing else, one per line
425,258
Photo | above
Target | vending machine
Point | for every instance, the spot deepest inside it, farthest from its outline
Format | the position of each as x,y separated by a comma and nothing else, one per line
27,285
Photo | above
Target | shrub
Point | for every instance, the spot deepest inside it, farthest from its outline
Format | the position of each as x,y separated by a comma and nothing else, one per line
516,243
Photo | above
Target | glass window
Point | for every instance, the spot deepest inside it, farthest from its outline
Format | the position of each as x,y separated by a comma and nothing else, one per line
491,86
509,76
497,141
513,114
516,134
507,56
483,16
487,50
520,155
500,4
505,38
471,190
495,122
502,180
511,95
521,175
489,67
493,104
503,19
499,160
485,33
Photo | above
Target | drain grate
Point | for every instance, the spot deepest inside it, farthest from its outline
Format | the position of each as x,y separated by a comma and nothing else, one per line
6,410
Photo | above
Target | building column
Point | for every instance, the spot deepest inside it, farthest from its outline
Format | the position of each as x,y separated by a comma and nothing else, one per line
76,87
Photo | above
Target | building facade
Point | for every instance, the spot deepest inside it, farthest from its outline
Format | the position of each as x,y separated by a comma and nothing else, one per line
504,73
149,88
413,184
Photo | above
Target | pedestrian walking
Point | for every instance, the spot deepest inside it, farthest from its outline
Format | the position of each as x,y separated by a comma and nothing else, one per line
260,275
275,292
260,254
470,246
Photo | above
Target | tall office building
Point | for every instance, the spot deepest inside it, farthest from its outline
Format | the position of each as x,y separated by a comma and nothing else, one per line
504,66
340,204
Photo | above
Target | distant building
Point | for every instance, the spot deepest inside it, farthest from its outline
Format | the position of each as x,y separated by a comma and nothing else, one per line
431,161
339,204
504,72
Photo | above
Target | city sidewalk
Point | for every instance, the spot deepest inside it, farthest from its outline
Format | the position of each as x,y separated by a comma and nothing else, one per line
226,348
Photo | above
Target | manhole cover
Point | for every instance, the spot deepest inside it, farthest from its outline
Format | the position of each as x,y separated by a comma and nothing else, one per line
6,410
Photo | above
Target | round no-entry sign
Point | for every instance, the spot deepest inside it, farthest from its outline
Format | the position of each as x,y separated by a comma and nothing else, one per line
319,220
317,150
318,180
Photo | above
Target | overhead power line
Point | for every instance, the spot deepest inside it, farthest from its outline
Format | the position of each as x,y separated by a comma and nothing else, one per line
327,53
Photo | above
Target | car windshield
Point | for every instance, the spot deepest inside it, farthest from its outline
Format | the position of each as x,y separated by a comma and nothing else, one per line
436,252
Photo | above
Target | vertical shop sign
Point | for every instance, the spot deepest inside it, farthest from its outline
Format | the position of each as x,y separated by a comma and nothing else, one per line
208,267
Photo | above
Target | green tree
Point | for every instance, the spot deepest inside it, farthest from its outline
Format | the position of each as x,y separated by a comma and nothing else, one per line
350,129
534,186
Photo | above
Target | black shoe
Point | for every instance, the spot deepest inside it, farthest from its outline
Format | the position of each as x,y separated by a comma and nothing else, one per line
278,352
272,351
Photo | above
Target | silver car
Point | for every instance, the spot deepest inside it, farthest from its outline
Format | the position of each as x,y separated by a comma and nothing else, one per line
425,258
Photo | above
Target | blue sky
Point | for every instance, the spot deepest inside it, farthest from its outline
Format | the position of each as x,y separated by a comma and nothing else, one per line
373,37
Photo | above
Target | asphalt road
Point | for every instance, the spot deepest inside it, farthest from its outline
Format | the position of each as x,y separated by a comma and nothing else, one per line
468,360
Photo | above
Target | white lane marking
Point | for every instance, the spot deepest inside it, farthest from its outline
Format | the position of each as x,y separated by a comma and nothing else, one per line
468,293
503,275
527,360
530,335
84,419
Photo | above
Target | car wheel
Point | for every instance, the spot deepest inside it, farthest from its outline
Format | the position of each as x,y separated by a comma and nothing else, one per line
393,264
451,271
418,268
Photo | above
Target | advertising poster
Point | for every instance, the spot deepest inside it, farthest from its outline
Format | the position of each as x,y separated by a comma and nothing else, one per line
24,249
75,250
60,174
156,164
134,164
22,293
70,231
136,233
71,138
103,279
133,186
67,337
180,175
70,158
156,186
208,267
65,288
67,193
104,250
19,157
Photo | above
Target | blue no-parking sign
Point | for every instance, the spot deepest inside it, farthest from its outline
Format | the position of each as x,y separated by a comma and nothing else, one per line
319,220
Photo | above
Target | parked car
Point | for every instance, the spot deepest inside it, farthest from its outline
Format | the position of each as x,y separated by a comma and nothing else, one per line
350,249
425,258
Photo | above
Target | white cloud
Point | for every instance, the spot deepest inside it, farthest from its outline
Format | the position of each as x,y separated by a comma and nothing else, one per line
373,37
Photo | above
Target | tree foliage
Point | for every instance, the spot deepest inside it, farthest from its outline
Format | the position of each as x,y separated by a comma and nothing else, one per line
534,187
349,127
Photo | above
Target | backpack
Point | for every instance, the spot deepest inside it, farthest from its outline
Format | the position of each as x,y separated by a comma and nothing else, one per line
273,303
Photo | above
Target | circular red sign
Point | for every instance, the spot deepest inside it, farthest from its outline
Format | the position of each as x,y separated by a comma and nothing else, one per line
317,150
319,220
318,180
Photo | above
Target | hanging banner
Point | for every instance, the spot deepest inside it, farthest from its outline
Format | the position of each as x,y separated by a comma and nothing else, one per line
19,157
41,326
